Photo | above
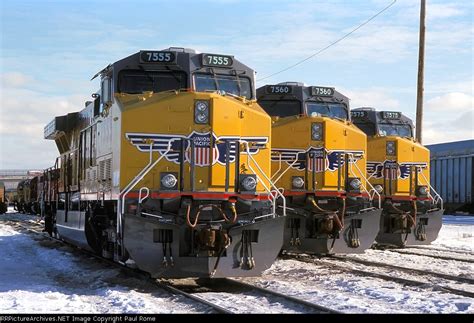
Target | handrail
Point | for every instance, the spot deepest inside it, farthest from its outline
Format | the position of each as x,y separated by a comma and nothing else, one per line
279,166
140,198
437,198
133,182
351,155
284,172
278,193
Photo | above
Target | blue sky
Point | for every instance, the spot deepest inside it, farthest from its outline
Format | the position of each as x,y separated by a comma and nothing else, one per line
51,49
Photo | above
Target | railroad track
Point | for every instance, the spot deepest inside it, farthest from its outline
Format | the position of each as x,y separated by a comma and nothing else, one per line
175,288
133,272
443,257
462,252
239,288
387,277
405,269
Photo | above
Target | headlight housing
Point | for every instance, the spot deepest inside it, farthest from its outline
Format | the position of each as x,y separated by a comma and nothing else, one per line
297,182
169,181
201,112
378,188
422,190
355,183
248,182
391,148
317,131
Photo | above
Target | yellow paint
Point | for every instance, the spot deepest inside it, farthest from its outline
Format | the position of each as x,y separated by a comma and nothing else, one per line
407,151
173,113
295,133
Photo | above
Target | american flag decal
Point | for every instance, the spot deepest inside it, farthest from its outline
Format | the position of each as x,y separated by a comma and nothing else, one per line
391,169
204,154
391,173
202,150
323,160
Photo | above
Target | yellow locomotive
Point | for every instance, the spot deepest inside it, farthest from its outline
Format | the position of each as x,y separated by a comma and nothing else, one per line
319,161
168,168
398,167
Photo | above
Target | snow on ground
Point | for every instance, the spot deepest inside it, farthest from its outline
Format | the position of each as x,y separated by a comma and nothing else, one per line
352,293
356,294
36,278
456,232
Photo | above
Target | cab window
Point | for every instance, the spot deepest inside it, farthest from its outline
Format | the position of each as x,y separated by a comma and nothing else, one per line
332,110
228,83
278,108
106,90
367,128
136,82
399,130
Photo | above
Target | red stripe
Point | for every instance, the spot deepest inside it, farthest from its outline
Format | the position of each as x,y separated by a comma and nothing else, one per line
202,196
400,198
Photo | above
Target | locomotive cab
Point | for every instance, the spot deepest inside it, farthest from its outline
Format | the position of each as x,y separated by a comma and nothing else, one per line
318,158
169,167
398,167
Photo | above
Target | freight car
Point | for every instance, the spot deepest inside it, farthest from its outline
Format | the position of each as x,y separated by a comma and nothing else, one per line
452,174
29,195
168,168
319,159
399,170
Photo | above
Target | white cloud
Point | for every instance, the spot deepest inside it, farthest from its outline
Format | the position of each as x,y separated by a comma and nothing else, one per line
15,79
23,115
375,98
449,102
441,11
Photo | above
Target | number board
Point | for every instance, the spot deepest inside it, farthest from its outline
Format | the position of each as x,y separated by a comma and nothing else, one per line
391,115
322,91
359,114
279,89
150,56
217,60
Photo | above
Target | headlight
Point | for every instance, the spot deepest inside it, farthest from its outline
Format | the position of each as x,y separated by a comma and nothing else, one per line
201,112
317,131
355,183
297,182
423,190
249,182
391,148
378,188
169,181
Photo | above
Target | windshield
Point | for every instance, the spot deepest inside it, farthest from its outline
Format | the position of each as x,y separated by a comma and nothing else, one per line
278,108
228,83
367,128
332,110
400,130
135,81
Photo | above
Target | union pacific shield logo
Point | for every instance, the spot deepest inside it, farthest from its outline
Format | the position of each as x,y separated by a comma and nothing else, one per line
318,159
390,169
202,149
207,151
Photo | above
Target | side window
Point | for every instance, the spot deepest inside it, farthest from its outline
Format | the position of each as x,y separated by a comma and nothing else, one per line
74,202
106,91
62,201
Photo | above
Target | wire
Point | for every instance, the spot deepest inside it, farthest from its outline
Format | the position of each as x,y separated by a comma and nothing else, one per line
331,44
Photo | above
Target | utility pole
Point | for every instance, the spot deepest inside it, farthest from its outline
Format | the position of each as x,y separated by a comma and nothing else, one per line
421,68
